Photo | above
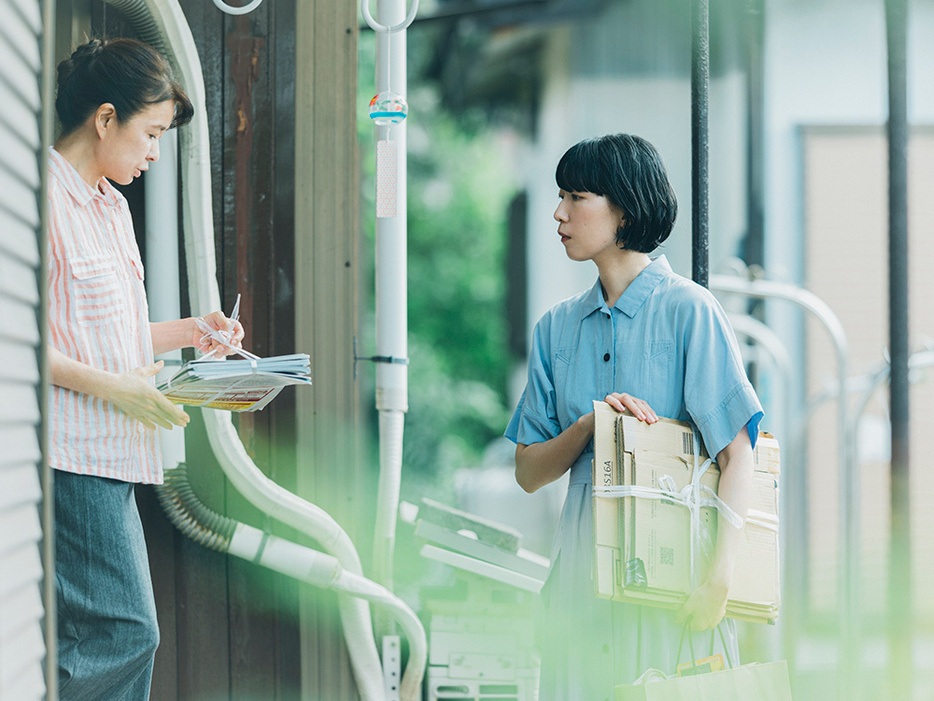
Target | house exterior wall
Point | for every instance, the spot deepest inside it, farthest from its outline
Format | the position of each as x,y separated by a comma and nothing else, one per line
22,473
330,472
846,265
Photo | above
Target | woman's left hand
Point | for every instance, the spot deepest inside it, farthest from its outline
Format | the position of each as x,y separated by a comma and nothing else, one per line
639,407
706,606
226,328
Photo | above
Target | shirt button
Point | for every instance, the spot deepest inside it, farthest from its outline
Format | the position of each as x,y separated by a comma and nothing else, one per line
606,357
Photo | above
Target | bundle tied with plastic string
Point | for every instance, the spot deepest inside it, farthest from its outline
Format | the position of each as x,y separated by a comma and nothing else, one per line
656,517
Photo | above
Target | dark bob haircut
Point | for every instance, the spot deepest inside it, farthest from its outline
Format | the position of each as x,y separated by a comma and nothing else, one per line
628,171
127,73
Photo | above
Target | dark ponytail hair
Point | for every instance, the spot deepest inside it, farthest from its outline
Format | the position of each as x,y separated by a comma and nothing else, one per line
127,73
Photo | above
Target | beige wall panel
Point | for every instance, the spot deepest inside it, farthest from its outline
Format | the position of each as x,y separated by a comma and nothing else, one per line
846,263
326,230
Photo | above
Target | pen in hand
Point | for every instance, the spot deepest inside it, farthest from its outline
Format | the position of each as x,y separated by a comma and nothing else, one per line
234,317
223,337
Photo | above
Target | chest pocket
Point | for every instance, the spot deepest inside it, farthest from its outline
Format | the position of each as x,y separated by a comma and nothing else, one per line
658,349
657,360
561,366
98,297
564,369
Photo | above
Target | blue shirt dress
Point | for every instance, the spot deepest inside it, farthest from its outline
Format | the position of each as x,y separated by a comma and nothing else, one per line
667,341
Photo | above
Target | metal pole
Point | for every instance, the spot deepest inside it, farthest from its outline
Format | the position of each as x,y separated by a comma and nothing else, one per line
754,19
899,619
700,83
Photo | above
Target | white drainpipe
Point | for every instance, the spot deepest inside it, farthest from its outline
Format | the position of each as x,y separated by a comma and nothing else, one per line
392,398
162,23
162,279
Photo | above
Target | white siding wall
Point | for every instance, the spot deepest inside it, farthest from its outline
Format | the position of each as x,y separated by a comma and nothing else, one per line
22,648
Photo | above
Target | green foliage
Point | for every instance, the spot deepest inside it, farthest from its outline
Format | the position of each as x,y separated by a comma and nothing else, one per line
458,191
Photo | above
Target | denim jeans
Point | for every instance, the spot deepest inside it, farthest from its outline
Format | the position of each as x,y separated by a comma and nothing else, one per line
107,629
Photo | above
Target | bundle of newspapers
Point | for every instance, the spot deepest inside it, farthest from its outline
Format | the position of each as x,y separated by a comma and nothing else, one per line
656,515
236,385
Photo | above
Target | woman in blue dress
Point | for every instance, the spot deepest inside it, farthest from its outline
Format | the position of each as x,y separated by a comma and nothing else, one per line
650,341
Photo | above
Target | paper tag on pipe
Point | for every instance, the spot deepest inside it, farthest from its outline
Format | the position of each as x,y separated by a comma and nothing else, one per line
386,178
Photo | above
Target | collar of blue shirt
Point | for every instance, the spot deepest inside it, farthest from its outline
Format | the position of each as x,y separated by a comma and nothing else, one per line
631,301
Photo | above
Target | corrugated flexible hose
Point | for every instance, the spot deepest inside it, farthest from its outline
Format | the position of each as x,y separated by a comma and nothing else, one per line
188,513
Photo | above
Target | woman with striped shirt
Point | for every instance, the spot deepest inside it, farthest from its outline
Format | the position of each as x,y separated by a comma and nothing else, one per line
115,100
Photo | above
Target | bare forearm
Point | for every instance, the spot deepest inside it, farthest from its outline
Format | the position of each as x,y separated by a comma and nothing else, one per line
131,392
706,605
736,467
171,335
71,374
185,333
539,464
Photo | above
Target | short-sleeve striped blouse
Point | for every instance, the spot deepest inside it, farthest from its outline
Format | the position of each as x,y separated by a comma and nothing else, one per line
97,315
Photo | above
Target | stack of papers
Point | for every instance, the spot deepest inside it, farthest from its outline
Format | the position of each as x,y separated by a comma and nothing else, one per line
236,385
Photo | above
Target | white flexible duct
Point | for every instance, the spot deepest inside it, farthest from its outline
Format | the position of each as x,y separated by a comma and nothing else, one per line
163,23
231,10
323,571
212,530
391,424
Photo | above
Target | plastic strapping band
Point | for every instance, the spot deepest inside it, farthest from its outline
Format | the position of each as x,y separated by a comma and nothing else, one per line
694,505
709,498
262,546
762,519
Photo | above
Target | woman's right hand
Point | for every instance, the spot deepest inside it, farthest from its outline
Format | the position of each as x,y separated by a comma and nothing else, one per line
638,407
133,394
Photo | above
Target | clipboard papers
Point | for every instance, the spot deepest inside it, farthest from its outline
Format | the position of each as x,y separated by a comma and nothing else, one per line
236,385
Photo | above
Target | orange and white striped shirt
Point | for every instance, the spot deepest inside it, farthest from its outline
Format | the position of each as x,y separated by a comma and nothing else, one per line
97,315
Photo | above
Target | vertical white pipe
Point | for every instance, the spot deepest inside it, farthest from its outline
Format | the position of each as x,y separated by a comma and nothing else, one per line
391,246
162,279
161,187
391,296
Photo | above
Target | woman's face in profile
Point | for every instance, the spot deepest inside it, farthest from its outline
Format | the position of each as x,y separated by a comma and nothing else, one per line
587,224
128,147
